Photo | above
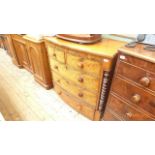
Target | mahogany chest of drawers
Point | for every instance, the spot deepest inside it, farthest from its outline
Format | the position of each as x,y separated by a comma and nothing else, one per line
132,94
81,73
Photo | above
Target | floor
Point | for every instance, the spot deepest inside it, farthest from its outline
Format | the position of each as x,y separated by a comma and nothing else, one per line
21,98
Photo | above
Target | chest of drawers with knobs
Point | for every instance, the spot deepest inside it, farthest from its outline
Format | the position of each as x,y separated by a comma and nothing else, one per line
132,94
78,73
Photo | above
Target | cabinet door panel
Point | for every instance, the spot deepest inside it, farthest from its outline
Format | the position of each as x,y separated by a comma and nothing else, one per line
22,54
36,61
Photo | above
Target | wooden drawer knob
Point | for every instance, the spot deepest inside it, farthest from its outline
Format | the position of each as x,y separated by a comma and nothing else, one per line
80,64
56,67
80,94
136,98
80,79
54,54
145,81
129,114
59,92
152,103
58,81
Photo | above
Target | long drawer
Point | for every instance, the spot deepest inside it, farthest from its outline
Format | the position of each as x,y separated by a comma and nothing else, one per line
135,95
149,66
83,63
125,111
78,92
74,103
83,80
135,74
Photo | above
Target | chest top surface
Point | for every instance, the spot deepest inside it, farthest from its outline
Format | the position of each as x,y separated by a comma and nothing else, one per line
34,38
139,52
106,47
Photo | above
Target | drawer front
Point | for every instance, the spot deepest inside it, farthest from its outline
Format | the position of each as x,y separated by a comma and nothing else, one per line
145,79
79,107
83,80
108,116
135,95
149,66
126,112
84,64
81,94
57,53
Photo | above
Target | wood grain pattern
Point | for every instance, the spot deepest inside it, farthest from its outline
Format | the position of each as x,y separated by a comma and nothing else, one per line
125,111
78,69
141,63
81,79
76,91
137,75
105,48
83,63
132,95
108,115
56,53
21,52
40,65
32,55
76,104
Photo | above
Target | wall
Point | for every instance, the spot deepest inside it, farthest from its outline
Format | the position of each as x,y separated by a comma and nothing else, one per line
122,37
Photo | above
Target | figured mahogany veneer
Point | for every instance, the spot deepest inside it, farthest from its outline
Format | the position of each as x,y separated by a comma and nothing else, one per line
132,94
78,73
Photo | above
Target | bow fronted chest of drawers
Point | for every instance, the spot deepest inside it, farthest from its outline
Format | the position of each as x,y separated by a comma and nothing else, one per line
132,94
81,73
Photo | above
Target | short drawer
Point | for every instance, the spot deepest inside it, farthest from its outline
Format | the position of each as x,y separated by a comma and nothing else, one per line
141,77
57,67
133,94
83,80
84,63
125,111
78,92
57,53
74,103
149,66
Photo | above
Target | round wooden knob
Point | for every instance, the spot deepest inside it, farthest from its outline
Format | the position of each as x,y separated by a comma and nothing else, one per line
145,81
136,98
129,114
59,92
80,79
58,81
80,94
56,67
54,54
152,103
80,64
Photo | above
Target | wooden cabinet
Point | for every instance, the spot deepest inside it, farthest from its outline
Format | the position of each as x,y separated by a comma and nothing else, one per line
80,73
21,51
7,44
32,55
39,61
132,94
